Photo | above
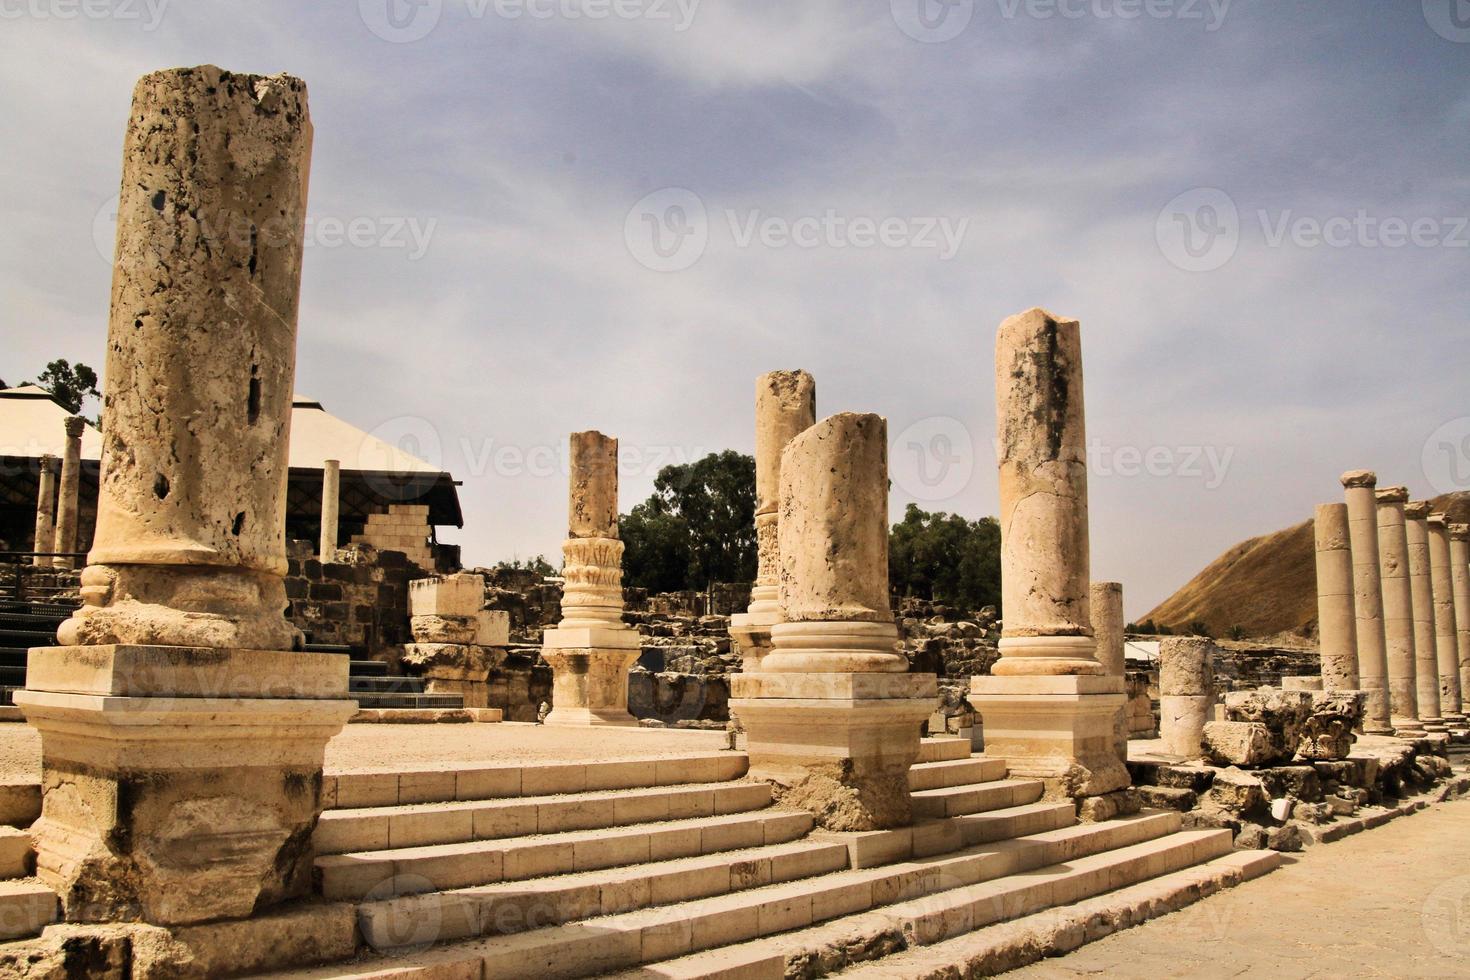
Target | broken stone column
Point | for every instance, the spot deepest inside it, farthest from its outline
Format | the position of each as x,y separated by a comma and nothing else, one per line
591,649
1421,588
181,738
1446,629
331,502
1186,693
1336,618
456,642
69,502
45,539
1398,611
1106,608
1048,708
785,406
1460,587
1362,507
832,717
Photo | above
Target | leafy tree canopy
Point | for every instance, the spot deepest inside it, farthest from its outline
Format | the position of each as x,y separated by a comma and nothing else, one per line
946,558
698,527
70,385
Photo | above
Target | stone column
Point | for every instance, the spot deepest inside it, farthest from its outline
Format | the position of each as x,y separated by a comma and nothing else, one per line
591,649
331,502
1460,587
1446,629
181,738
456,641
69,501
45,540
1336,619
832,718
785,406
1426,656
1398,611
1362,507
1186,693
1048,709
1106,607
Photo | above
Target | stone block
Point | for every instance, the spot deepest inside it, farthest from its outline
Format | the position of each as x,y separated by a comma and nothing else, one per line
1298,782
1238,743
1236,792
1283,713
460,595
492,627
1327,733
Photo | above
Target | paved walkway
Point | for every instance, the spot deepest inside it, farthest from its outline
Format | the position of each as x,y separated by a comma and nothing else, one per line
1389,902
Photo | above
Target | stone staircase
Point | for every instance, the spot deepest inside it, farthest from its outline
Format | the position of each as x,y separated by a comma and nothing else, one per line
679,868
369,682
24,625
26,905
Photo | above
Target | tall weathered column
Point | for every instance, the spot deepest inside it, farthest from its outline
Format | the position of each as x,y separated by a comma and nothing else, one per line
1336,618
833,716
591,649
45,540
331,504
1398,611
1362,507
1426,655
785,406
1048,708
1446,629
1460,586
182,740
1106,608
68,503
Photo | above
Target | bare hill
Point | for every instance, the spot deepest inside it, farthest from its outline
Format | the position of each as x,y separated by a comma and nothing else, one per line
1266,585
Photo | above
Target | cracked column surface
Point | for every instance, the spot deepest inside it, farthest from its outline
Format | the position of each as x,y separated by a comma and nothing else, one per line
1421,588
1446,628
68,503
1398,610
1336,618
1358,488
45,539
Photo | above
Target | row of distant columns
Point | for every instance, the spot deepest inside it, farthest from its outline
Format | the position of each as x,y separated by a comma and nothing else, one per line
56,519
1393,595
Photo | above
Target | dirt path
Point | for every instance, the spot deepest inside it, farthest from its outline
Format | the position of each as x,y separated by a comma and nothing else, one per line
1389,902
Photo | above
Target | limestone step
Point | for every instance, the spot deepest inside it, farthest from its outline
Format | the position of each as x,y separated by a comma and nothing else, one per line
441,867
820,951
363,789
1014,821
511,907
17,858
943,748
596,946
955,772
419,824
26,907
954,801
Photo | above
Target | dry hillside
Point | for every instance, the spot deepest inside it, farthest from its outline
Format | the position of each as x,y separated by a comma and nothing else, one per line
1265,585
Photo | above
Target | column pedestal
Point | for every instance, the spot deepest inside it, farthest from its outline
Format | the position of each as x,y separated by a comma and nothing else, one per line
589,668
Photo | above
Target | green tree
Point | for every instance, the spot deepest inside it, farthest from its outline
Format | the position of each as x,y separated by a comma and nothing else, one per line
945,558
698,526
69,385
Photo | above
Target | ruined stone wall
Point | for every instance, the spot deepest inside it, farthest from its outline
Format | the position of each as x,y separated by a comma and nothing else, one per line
360,600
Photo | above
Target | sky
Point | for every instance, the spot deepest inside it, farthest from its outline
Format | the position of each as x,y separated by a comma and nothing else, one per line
531,217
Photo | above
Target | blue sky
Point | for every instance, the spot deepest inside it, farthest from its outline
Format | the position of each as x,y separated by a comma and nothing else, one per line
1256,209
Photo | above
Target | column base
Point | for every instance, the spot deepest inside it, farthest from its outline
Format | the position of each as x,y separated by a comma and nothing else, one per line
751,634
174,792
1056,728
589,674
837,744
1408,728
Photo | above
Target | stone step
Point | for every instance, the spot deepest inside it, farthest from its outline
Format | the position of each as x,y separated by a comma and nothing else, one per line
420,824
365,789
955,772
1014,821
911,925
511,907
441,867
954,801
943,748
597,946
17,857
26,907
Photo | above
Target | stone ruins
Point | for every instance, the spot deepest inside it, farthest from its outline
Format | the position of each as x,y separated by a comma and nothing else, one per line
899,793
